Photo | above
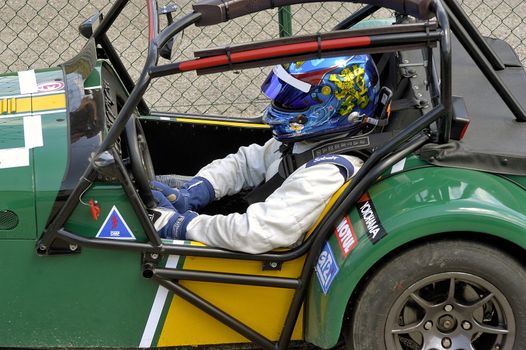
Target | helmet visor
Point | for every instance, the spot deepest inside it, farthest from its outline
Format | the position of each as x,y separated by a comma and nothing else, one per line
286,91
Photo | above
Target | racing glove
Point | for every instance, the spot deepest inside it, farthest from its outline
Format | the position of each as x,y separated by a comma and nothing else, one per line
193,195
168,222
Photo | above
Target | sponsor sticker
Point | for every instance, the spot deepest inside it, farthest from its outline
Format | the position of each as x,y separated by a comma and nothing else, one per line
50,86
114,227
346,236
27,81
373,227
326,268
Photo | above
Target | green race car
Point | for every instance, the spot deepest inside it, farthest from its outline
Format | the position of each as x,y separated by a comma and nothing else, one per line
423,249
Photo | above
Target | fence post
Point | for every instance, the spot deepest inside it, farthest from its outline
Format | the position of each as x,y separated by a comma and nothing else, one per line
285,21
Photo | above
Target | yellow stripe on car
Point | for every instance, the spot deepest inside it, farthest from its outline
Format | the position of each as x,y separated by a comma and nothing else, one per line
49,102
222,122
34,104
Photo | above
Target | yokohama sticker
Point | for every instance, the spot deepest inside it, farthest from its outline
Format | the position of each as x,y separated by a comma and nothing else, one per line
373,227
51,86
346,236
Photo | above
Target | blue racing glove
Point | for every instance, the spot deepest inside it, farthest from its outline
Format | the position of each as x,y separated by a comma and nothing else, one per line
168,222
193,195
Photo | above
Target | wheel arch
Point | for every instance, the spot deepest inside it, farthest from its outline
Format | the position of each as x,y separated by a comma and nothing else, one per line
410,224
504,245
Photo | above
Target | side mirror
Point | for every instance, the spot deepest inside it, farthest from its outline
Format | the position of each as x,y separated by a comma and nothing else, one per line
166,50
87,28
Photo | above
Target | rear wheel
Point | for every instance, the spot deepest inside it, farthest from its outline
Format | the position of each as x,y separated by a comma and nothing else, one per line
443,295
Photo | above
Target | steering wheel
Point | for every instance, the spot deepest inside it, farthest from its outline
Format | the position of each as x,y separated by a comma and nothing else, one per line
141,161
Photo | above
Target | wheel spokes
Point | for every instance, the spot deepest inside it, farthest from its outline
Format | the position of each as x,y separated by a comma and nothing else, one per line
450,311
478,304
424,304
451,290
484,328
409,328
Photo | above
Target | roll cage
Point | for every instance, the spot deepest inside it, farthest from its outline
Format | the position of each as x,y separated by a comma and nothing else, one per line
423,35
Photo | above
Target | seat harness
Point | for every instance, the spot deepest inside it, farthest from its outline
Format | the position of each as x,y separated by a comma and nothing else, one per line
290,162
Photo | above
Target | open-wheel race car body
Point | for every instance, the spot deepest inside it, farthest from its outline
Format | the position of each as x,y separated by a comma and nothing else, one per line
422,249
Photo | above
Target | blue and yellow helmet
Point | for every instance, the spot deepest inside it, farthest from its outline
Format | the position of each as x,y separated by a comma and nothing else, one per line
320,97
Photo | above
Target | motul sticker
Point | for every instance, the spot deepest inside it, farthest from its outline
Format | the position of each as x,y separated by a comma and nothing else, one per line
114,227
50,86
373,227
346,236
326,268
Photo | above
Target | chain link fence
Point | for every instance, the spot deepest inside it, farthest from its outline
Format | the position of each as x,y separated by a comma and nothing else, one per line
43,33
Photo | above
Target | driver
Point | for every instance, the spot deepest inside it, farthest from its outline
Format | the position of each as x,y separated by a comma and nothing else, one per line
313,102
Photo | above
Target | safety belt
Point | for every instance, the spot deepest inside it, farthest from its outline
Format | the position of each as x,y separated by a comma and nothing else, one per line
291,162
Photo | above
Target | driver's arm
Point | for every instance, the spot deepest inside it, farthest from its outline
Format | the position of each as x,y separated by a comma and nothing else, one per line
241,170
281,220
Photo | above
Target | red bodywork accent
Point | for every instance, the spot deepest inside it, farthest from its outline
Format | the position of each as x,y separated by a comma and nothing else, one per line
150,22
464,130
94,209
364,198
275,51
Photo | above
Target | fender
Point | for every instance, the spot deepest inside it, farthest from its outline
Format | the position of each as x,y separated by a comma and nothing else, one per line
402,208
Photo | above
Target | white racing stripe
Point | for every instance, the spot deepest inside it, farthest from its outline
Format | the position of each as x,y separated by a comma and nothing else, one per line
28,82
26,114
157,308
281,73
33,131
14,158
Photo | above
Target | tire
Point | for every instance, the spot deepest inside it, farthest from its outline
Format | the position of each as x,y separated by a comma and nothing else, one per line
411,303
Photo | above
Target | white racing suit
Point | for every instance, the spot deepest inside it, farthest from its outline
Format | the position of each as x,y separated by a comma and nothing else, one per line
286,215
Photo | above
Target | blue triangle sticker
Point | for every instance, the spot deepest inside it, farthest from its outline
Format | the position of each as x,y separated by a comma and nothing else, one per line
114,227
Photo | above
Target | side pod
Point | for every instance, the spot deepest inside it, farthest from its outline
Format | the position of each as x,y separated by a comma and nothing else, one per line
399,209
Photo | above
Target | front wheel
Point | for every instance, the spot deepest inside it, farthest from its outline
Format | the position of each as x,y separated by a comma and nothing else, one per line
442,295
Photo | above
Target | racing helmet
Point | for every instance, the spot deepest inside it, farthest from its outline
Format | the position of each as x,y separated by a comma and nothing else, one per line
320,97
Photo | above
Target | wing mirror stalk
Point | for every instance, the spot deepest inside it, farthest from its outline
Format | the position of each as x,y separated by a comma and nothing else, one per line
87,28
166,50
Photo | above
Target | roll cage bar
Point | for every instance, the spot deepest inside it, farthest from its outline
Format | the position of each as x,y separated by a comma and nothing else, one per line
207,12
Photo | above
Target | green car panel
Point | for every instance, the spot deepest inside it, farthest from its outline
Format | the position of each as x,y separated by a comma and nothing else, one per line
107,196
410,205
102,300
94,279
30,190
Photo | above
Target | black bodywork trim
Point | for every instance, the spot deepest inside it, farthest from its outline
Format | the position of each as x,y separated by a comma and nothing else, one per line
457,155
404,143
83,109
177,133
